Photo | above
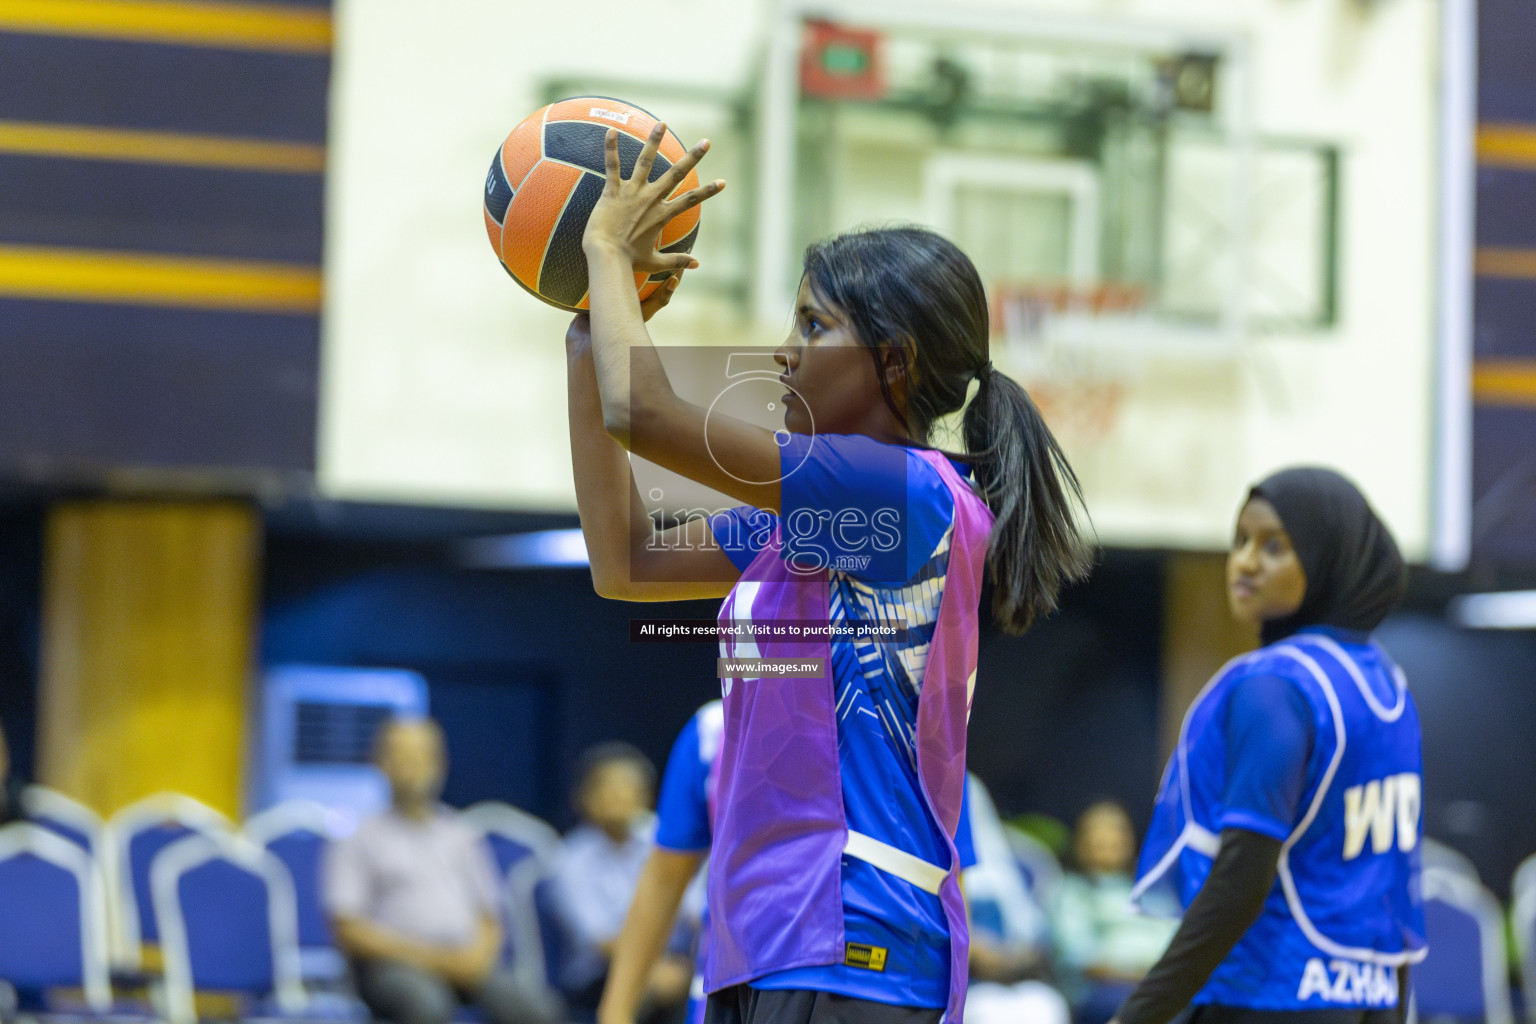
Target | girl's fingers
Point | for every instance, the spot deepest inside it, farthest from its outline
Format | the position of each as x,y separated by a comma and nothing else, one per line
611,156
693,197
678,171
666,262
647,157
658,299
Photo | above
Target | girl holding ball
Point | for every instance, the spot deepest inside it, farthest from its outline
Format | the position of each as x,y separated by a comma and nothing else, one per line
833,881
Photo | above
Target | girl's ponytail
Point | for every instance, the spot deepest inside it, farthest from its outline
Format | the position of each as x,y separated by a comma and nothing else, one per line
910,286
1037,545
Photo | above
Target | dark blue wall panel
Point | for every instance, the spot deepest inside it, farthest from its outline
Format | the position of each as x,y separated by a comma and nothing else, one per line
201,211
1063,715
1506,207
1504,481
128,84
1505,317
1504,438
1476,702
21,542
1506,72
86,386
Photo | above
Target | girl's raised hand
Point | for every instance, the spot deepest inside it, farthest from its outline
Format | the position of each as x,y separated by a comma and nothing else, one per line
632,211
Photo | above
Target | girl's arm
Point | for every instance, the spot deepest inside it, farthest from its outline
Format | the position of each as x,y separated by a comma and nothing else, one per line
639,408
1225,907
1269,742
644,936
631,560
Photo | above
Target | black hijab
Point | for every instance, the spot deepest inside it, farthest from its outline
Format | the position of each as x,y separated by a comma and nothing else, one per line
1355,575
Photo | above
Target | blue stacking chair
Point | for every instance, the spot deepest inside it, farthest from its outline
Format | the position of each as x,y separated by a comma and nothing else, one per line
1524,918
1446,858
137,834
522,847
552,942
511,834
66,817
228,923
1465,975
1036,862
525,944
297,833
52,915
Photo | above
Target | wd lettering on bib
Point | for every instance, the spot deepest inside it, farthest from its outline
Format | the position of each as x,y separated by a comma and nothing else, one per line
1349,983
1378,807
871,958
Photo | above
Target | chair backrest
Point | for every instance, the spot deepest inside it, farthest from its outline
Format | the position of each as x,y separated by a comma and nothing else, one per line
1446,858
227,922
511,834
64,816
525,933
1041,870
552,942
522,847
297,833
1524,918
137,834
1002,897
1464,976
52,914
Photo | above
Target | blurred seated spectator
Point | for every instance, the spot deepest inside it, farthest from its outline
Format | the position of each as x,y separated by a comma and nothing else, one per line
1010,935
670,894
1104,945
10,785
414,901
598,866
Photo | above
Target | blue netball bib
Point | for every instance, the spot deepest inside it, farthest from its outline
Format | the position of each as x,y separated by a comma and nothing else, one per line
1346,910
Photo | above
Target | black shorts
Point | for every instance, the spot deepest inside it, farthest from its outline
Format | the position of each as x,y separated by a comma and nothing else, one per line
1214,1014
743,1004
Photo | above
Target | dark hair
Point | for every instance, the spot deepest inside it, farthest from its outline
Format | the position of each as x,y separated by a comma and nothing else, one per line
610,752
911,288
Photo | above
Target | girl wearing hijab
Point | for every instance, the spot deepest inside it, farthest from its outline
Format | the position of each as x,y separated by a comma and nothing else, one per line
1288,817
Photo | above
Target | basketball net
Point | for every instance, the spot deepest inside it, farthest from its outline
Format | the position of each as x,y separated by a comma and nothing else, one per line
1060,342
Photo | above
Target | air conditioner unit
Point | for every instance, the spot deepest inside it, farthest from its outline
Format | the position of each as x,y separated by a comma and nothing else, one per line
317,725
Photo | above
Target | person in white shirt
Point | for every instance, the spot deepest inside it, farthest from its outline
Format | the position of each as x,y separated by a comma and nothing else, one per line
414,902
598,868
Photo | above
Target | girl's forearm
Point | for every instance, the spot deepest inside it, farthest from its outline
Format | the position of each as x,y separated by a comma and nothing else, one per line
612,519
1225,907
646,928
630,378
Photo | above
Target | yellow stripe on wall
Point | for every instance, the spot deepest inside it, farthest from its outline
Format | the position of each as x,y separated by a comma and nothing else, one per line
85,142
1507,145
145,279
1505,382
1517,263
239,26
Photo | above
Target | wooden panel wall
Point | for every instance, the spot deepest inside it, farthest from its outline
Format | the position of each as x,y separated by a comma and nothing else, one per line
149,613
1199,634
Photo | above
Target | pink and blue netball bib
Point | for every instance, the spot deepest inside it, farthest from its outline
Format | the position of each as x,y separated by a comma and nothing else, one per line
781,831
